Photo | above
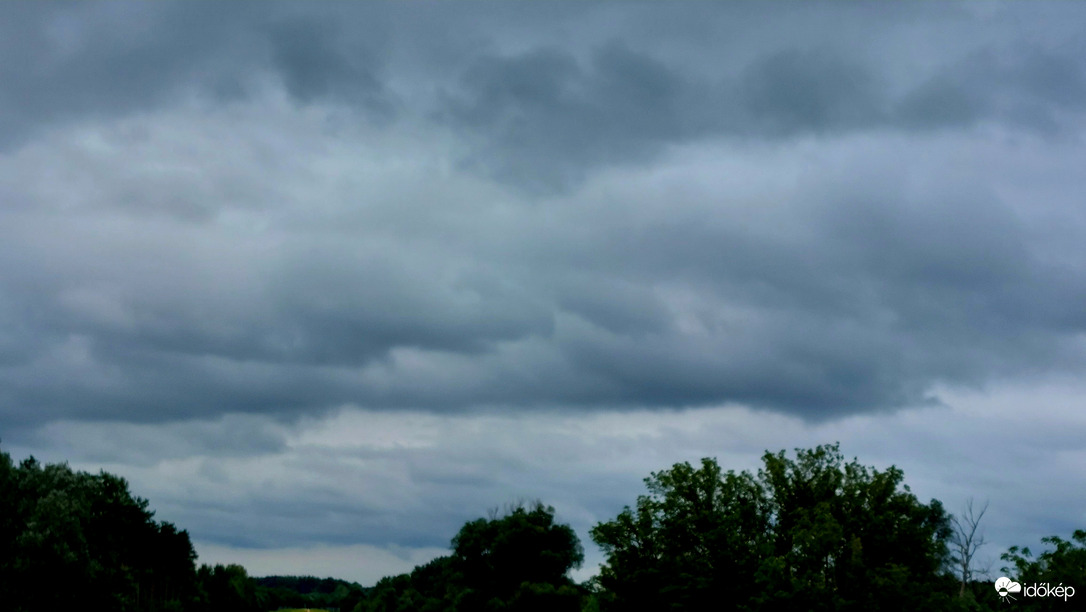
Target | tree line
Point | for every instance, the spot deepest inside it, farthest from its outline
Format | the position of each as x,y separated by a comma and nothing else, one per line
805,532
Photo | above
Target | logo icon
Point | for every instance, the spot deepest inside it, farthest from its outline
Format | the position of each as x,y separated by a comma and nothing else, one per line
1005,586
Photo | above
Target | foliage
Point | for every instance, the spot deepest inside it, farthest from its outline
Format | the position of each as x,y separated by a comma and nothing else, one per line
518,562
89,530
306,592
1064,564
813,533
228,587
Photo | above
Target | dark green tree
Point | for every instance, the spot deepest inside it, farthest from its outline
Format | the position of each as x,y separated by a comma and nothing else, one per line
687,544
307,592
92,534
810,533
433,587
516,562
228,587
1062,564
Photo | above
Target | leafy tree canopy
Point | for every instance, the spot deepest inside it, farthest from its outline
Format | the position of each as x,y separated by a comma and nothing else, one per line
808,532
91,534
516,562
811,533
1063,564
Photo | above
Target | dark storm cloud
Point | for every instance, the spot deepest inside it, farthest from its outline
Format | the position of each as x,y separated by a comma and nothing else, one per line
547,120
77,61
69,63
315,64
855,292
810,91
552,215
1025,84
542,118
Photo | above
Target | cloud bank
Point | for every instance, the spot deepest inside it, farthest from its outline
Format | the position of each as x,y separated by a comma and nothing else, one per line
485,240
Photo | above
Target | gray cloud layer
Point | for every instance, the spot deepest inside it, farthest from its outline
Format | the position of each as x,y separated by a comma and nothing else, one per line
366,494
280,210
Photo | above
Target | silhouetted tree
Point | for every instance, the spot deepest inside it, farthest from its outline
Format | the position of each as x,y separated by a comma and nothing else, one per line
1064,564
813,533
516,562
93,536
228,588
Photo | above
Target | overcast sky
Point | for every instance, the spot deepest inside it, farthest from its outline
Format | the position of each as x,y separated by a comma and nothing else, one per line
326,281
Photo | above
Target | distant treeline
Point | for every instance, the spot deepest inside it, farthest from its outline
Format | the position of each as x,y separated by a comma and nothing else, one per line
813,532
295,592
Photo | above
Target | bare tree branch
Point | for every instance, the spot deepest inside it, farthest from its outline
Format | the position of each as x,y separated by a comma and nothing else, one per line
965,541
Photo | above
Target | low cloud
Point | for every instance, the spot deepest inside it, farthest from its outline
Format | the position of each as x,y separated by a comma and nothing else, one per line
819,286
361,494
